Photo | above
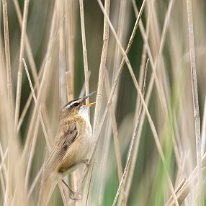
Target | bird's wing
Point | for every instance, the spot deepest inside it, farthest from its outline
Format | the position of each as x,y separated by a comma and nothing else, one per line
64,139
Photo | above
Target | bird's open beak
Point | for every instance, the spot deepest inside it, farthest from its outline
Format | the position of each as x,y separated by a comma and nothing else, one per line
89,95
84,100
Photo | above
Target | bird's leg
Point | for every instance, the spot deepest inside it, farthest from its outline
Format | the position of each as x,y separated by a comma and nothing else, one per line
85,172
73,195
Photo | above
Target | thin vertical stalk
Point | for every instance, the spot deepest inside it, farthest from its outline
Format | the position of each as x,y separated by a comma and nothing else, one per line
70,15
115,130
99,97
194,94
155,135
33,144
7,55
27,44
102,68
62,59
41,88
111,121
115,82
19,76
203,132
86,70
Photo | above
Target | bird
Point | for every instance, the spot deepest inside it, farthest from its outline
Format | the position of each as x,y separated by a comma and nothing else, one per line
71,147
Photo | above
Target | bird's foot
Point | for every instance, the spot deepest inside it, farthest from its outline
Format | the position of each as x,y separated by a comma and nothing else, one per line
86,162
75,195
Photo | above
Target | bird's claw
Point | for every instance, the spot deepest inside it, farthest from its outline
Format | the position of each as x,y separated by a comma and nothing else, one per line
75,195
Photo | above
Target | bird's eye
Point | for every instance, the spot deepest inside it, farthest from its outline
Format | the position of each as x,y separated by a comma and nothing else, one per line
76,104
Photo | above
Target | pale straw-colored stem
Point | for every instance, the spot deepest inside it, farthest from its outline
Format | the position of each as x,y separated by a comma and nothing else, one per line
19,74
155,135
84,45
27,44
41,88
105,151
7,55
99,96
33,144
194,94
184,188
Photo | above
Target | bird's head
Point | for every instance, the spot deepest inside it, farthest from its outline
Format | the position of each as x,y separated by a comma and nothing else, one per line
76,106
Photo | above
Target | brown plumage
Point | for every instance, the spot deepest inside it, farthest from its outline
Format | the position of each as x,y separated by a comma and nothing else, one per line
72,144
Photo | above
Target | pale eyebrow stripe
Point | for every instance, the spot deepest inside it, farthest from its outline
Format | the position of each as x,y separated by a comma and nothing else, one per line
69,104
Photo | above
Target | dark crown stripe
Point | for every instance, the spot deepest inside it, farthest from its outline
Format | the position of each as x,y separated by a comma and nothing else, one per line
70,103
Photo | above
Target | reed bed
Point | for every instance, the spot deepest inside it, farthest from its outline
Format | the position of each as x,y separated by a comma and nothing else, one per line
145,60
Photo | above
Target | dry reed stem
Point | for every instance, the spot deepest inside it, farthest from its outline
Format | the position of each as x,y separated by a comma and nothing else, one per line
137,139
33,69
115,83
111,126
203,132
120,33
8,133
4,156
7,55
27,44
114,128
47,58
102,70
184,188
86,70
157,61
38,101
155,135
138,18
104,160
33,144
3,173
61,53
142,78
105,152
155,64
19,76
28,103
42,84
34,183
70,91
157,47
70,16
122,30
7,189
116,79
99,98
194,95
132,143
